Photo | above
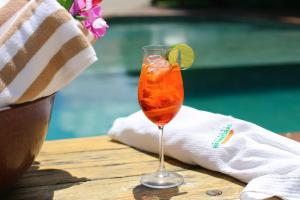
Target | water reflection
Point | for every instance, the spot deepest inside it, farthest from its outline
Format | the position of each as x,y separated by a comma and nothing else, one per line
107,90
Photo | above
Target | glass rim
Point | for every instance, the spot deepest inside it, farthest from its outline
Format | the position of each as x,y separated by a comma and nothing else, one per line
154,47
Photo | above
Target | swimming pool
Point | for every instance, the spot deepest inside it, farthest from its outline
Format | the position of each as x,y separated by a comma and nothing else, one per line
247,69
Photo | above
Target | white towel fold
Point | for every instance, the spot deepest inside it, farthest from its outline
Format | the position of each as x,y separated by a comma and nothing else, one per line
268,162
42,49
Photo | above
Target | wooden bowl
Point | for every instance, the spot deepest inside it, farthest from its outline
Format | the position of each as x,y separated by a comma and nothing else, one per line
23,129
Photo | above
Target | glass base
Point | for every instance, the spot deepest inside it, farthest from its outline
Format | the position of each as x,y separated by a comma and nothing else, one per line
162,179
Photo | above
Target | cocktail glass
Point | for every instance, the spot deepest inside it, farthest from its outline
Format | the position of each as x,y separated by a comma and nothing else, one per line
160,95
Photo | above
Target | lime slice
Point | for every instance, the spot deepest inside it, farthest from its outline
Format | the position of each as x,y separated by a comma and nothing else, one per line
182,54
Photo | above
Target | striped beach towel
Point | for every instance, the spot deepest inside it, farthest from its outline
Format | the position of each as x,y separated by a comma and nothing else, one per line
42,49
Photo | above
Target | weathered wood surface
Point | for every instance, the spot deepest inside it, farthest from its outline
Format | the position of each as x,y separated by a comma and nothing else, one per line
98,168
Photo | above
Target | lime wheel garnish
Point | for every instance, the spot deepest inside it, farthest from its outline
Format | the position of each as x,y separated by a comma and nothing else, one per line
182,54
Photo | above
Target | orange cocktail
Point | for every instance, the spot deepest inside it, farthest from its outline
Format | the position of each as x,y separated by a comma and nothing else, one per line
160,91
160,94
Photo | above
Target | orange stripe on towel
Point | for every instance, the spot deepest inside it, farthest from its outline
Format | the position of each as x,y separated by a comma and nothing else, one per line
230,134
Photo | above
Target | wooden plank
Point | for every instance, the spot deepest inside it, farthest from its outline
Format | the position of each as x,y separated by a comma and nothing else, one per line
97,168
80,145
197,183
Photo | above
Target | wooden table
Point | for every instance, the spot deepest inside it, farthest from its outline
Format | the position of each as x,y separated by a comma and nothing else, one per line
98,168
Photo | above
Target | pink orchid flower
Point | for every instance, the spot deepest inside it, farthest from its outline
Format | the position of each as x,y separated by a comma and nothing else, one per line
94,21
77,7
92,13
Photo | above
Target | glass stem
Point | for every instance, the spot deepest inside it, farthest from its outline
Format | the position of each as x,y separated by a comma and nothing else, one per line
161,150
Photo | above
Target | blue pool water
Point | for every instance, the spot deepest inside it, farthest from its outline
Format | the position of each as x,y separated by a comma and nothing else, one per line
247,69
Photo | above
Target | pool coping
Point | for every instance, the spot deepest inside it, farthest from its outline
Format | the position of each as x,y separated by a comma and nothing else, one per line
284,17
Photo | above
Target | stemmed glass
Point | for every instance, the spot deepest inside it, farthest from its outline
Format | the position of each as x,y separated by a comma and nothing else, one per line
160,95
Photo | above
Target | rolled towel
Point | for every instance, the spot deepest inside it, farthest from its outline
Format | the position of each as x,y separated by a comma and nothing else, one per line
42,49
225,144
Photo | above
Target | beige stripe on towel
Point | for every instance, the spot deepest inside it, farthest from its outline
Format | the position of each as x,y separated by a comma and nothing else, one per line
71,70
10,9
44,32
42,50
68,51
91,38
24,17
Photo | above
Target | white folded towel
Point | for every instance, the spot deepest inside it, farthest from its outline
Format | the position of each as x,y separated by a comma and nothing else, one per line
42,49
268,162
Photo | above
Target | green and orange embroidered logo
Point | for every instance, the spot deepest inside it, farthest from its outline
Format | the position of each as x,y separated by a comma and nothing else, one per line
225,134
